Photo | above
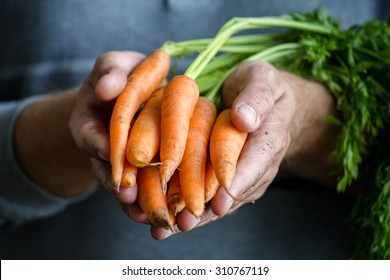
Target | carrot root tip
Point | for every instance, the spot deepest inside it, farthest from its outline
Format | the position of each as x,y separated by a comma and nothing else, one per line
171,228
166,172
115,190
197,213
237,198
164,186
153,164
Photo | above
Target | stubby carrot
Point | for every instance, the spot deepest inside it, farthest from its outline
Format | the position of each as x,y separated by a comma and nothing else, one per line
193,165
151,198
211,183
226,143
141,83
129,175
144,140
178,102
175,195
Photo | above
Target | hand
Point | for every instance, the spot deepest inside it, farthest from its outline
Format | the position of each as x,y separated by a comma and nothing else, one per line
283,114
91,115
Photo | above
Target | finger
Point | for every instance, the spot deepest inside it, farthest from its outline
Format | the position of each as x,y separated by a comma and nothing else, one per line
91,137
186,221
208,216
162,233
102,171
256,87
128,195
110,73
136,213
88,123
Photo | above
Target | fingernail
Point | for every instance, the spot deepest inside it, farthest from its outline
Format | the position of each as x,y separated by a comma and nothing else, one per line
248,113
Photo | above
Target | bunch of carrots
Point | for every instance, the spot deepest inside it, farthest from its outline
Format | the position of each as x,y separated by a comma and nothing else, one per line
168,139
176,149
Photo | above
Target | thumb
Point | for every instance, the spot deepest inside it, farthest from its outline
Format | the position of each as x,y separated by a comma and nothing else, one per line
253,89
252,106
109,76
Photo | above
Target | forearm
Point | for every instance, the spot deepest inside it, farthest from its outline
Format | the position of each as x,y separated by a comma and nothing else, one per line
45,148
312,139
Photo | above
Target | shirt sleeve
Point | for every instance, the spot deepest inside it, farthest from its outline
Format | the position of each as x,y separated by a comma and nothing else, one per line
21,200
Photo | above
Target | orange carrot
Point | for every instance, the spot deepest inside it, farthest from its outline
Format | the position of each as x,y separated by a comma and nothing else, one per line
211,183
151,198
141,83
175,195
226,143
178,102
144,140
129,175
193,165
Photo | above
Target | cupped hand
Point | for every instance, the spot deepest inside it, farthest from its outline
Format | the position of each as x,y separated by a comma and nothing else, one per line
263,104
91,114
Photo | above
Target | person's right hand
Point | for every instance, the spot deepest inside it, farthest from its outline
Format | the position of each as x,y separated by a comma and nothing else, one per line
91,115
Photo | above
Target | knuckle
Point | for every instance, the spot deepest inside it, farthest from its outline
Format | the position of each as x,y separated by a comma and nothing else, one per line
263,68
262,95
107,56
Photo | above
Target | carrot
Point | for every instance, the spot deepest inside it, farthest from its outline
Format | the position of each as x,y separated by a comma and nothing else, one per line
178,102
175,195
211,183
151,199
144,140
226,143
129,175
141,83
193,165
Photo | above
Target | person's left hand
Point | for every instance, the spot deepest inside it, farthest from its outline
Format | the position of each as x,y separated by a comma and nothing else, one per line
91,115
263,104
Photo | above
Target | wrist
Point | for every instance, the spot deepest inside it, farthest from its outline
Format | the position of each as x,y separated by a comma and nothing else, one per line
45,150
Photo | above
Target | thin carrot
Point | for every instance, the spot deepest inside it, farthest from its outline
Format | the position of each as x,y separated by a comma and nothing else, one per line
226,143
144,140
175,195
141,83
211,183
129,175
193,165
178,102
151,198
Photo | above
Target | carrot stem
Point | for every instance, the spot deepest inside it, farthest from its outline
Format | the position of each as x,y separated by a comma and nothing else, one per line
238,24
